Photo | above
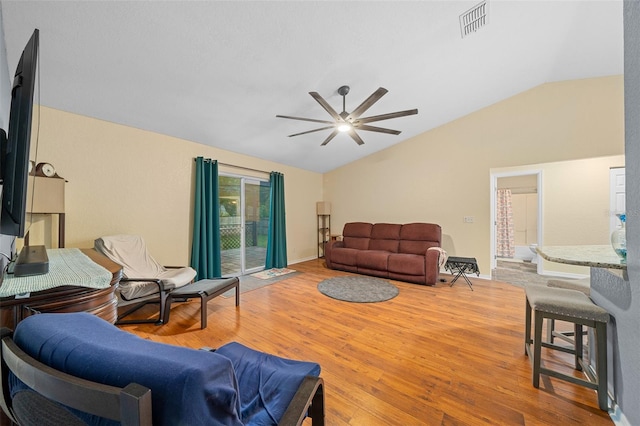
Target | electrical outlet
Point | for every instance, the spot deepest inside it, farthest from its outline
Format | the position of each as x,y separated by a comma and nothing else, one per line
468,219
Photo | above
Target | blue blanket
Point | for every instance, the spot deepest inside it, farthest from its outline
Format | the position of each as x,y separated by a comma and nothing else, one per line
233,386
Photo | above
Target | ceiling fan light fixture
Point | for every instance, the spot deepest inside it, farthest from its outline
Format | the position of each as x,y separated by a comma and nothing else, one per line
352,122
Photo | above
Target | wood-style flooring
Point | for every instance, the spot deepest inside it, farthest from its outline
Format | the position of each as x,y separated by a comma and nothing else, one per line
431,356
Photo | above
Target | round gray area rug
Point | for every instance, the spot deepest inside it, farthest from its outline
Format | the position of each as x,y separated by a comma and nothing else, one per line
358,289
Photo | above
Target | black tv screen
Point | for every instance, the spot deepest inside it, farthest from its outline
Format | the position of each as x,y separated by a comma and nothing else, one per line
15,152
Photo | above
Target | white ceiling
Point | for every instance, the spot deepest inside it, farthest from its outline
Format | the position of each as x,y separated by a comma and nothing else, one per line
217,73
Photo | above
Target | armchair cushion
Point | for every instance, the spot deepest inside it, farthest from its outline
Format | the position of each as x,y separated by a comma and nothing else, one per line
130,251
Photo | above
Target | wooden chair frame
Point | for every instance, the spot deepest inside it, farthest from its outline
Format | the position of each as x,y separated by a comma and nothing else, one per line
131,405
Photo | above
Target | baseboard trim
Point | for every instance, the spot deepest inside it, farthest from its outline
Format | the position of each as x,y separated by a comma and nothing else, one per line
618,416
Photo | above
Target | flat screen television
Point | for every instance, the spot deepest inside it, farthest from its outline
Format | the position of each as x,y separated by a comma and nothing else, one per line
17,153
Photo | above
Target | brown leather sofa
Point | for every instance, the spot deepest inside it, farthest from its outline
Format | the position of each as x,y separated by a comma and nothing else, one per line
399,252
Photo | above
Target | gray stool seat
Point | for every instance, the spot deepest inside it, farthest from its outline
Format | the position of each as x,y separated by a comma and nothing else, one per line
562,301
575,307
205,290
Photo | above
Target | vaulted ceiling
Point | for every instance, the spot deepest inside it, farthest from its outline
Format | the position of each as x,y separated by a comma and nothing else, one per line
218,72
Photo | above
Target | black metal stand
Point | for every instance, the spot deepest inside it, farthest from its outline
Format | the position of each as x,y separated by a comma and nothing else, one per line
460,267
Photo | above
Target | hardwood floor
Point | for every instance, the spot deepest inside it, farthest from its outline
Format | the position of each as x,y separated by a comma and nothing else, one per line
431,356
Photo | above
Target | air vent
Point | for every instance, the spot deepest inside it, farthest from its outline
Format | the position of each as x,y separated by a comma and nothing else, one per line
474,19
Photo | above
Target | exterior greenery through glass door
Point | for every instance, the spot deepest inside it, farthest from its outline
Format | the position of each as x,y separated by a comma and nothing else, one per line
244,223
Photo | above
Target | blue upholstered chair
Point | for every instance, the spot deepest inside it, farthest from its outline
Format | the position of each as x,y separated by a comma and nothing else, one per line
233,385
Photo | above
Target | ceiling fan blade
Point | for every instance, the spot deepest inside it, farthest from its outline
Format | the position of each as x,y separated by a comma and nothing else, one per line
386,116
378,129
332,112
331,136
367,103
355,137
311,131
305,119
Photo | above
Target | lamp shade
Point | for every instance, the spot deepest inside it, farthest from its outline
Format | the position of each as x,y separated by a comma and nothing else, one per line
323,207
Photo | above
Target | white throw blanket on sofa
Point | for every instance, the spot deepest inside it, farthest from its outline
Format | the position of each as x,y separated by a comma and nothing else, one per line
442,259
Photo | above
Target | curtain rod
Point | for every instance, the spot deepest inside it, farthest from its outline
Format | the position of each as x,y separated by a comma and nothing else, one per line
239,167
243,168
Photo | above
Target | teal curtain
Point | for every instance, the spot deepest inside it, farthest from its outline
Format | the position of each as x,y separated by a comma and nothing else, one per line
277,238
205,249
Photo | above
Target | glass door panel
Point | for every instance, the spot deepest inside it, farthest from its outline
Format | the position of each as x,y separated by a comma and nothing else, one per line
256,220
230,189
244,223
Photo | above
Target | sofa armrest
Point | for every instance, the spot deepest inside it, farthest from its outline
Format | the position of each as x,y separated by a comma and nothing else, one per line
432,265
328,247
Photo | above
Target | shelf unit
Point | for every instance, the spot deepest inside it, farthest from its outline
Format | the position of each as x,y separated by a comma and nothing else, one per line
324,232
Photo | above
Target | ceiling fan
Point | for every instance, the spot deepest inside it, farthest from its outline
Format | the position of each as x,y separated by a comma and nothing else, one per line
350,122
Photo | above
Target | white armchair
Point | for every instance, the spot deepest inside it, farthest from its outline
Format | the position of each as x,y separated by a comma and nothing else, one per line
144,279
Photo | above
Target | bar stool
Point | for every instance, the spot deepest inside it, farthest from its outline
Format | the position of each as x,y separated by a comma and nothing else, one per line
575,307
583,285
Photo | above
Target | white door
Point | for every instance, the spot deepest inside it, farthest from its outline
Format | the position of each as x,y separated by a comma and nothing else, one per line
617,196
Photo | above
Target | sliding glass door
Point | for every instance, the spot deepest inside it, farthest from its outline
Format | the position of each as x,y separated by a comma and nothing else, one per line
244,223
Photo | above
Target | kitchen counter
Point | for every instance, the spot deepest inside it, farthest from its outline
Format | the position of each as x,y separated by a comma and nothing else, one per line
601,256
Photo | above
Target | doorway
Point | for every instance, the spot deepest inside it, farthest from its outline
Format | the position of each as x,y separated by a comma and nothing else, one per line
525,188
244,223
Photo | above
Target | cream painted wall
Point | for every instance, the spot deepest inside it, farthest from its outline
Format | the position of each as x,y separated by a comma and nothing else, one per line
126,180
443,175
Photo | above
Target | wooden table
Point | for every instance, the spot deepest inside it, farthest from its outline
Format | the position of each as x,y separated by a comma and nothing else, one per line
100,302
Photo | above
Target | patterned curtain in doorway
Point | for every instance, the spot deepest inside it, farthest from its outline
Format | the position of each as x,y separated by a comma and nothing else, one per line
505,242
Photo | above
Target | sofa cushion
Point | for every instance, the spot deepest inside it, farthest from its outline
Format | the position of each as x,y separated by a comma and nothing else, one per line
407,264
356,235
386,231
416,238
344,256
421,232
384,236
372,259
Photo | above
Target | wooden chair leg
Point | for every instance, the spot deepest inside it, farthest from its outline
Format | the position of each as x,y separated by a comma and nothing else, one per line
166,311
165,300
